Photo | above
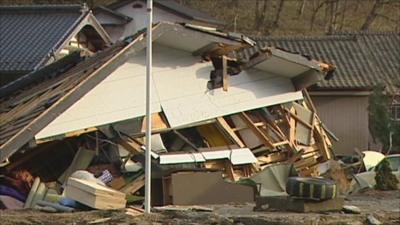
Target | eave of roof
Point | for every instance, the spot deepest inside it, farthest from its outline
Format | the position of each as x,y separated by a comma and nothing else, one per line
38,8
122,17
363,59
176,8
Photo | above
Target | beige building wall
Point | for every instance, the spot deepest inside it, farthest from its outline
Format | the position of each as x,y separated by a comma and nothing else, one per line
347,118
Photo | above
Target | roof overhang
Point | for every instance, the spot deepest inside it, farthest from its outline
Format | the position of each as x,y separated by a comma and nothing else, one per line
303,71
173,35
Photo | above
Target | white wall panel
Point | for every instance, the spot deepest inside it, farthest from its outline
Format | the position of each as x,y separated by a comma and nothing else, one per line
179,89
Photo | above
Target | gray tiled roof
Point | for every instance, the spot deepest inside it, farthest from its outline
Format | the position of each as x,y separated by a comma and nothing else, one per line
362,59
29,34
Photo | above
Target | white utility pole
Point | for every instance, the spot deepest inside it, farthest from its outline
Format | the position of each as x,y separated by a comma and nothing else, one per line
147,186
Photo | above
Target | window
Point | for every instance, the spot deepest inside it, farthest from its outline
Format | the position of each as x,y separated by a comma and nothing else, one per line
395,111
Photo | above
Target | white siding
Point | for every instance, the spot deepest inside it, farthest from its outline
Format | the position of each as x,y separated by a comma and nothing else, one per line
347,118
139,16
179,88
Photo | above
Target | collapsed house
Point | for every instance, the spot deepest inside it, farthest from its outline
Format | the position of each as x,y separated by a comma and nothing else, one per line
215,116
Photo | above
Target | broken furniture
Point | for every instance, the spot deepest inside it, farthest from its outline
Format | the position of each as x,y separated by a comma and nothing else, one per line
202,188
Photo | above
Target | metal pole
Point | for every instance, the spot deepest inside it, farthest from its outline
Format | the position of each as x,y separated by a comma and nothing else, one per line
147,194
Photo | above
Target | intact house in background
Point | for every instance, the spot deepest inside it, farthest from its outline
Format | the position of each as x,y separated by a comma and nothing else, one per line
363,60
125,18
37,35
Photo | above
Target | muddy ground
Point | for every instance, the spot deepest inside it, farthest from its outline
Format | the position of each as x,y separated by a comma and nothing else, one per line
385,206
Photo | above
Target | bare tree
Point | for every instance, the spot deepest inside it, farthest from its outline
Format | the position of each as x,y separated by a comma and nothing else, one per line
342,19
235,4
372,15
333,15
300,10
278,14
261,12
316,6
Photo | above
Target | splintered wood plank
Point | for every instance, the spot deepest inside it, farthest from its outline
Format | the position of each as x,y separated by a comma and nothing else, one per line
286,142
213,136
260,135
267,117
134,186
225,76
131,146
187,141
292,127
229,171
225,126
298,119
272,158
157,123
309,101
323,146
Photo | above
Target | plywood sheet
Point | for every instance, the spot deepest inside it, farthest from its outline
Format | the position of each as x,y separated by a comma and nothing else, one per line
207,188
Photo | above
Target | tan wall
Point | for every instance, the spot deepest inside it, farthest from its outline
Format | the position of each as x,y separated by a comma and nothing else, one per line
347,117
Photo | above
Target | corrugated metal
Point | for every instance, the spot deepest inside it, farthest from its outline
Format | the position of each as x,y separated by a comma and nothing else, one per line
28,34
347,118
362,59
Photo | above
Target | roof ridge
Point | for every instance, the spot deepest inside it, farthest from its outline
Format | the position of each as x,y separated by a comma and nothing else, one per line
44,7
367,32
304,38
344,35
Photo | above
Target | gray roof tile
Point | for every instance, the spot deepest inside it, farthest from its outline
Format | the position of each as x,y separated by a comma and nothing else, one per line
362,59
29,34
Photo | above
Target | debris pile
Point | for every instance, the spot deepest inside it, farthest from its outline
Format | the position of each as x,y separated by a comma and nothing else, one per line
229,145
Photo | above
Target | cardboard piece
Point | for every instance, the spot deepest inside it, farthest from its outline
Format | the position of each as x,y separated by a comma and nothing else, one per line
197,188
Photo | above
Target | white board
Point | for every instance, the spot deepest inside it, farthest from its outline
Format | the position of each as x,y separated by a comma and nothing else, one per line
179,90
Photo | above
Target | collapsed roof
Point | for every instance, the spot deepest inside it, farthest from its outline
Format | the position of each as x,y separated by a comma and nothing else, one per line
270,77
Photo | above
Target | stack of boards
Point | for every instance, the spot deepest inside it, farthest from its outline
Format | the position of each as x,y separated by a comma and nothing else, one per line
94,195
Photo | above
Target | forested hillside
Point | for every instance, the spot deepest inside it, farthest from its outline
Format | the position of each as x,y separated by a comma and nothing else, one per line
286,17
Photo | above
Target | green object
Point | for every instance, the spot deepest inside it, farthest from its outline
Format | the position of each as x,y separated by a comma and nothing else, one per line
381,125
39,194
133,198
385,179
271,181
32,193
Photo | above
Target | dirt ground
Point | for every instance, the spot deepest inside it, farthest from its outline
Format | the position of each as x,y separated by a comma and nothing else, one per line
385,206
